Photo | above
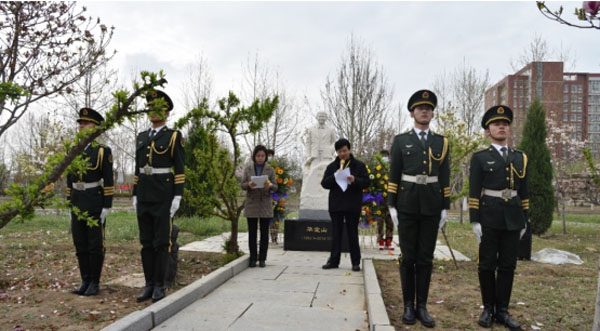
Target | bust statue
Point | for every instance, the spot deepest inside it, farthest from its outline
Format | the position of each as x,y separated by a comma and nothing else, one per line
319,152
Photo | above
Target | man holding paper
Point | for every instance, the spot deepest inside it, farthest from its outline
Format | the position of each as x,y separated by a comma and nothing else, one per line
345,178
418,200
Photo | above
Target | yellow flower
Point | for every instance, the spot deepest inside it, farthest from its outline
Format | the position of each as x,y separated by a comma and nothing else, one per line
368,170
381,182
378,175
385,186
378,167
386,177
379,212
384,194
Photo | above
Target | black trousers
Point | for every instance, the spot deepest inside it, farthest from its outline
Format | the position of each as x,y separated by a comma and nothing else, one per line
498,253
89,247
337,225
264,238
155,225
418,234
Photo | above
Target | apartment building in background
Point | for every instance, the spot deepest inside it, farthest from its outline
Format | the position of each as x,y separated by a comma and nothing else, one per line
570,97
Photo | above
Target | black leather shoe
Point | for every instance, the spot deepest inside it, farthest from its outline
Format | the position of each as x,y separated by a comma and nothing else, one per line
356,268
81,289
262,264
329,266
93,289
158,294
252,264
425,318
409,315
505,319
146,294
486,318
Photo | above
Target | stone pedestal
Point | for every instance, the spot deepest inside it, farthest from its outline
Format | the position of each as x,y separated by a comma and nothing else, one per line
310,235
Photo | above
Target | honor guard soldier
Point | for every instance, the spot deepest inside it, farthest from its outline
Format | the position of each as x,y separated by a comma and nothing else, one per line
157,190
498,206
418,200
91,192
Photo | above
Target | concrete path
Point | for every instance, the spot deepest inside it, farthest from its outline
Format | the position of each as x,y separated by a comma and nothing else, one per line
291,293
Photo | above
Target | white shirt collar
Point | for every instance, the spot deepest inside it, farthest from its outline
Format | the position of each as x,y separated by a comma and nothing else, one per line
417,131
497,147
158,129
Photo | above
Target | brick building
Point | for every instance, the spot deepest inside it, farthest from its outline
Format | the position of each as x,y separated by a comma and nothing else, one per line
570,97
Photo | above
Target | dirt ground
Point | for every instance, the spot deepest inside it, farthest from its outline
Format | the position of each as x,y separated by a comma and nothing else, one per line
545,297
36,279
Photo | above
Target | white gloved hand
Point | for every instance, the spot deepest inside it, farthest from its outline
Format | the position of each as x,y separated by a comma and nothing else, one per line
394,215
477,231
103,215
443,218
175,204
134,202
523,232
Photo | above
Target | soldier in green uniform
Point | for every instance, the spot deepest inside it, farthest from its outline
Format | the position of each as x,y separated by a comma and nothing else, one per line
498,206
91,192
418,200
157,190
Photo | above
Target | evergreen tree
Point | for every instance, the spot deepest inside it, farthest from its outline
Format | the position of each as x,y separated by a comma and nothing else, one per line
539,169
197,190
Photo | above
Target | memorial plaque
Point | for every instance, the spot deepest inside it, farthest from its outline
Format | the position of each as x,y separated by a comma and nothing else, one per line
310,235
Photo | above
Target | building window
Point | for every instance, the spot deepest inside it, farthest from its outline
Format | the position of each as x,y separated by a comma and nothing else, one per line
565,117
573,117
566,88
565,107
579,88
566,98
594,99
594,86
579,118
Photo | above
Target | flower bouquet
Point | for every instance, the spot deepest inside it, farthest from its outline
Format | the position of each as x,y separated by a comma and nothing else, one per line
373,202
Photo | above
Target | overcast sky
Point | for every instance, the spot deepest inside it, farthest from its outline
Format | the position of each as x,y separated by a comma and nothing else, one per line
304,41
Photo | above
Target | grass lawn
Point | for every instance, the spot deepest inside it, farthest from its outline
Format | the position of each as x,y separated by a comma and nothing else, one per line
551,297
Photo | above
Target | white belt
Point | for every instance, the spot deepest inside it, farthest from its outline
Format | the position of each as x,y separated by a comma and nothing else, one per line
419,179
504,194
147,170
82,186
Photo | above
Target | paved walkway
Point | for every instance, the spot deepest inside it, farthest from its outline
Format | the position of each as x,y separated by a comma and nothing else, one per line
291,293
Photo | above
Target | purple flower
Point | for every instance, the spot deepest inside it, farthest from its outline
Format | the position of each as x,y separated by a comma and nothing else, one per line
591,7
367,197
274,196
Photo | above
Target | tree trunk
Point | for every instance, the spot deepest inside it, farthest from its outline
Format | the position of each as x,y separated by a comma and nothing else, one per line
564,217
596,326
233,240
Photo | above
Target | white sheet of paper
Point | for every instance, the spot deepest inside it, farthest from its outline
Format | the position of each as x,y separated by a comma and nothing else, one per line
341,178
259,180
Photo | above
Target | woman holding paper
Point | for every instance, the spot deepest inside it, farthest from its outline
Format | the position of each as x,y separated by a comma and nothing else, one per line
258,180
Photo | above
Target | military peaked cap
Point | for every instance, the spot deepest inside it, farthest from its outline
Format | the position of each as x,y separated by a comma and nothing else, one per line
496,113
156,94
422,97
90,115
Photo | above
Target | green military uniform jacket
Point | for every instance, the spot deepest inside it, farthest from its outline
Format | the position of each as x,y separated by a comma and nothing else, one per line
163,150
99,168
409,157
489,171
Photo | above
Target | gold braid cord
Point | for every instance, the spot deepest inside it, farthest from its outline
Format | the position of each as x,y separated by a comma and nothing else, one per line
441,158
514,171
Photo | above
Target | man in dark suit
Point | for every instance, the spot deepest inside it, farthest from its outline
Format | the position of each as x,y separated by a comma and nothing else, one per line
157,190
498,206
91,192
345,205
418,200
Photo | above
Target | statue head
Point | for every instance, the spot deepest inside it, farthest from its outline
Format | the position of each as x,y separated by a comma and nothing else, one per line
321,117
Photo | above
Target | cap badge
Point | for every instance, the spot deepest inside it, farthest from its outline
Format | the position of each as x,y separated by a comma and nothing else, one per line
500,110
426,95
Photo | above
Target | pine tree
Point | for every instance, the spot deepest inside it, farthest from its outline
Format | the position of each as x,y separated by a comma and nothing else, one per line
539,169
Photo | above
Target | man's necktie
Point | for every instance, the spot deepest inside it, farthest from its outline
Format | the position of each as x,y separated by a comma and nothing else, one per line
423,140
504,154
152,133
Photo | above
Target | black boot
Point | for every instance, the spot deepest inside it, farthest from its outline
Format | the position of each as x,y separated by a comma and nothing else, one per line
148,265
160,272
504,284
487,282
84,270
423,277
407,278
96,261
